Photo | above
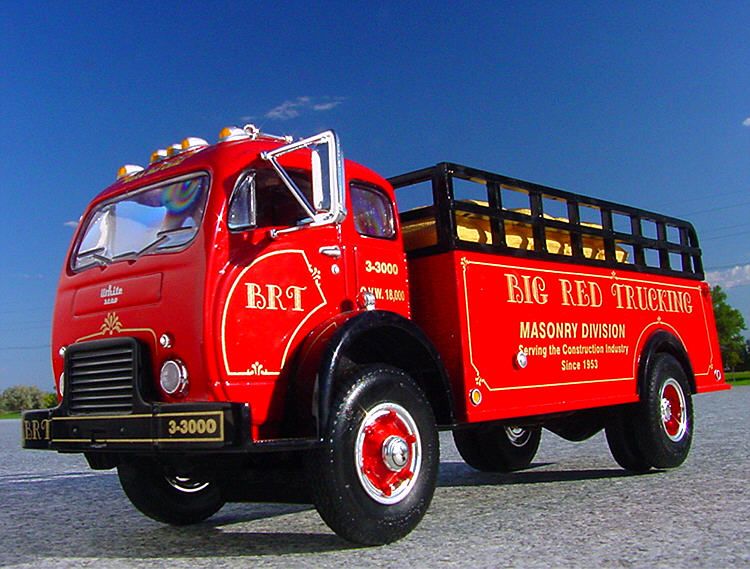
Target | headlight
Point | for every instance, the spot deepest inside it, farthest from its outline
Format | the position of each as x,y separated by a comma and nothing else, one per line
61,385
173,377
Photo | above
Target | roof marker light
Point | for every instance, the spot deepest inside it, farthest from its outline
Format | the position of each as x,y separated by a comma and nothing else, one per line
193,143
127,170
230,133
174,149
158,155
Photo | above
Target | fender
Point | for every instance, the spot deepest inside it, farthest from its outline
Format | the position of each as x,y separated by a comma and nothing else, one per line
663,341
357,338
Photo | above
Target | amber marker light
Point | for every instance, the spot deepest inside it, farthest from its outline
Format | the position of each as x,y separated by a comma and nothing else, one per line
127,170
230,133
476,396
193,143
158,155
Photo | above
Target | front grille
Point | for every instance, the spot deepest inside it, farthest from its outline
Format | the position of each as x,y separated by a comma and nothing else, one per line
100,377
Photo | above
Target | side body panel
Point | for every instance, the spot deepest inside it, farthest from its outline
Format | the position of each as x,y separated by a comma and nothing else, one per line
581,329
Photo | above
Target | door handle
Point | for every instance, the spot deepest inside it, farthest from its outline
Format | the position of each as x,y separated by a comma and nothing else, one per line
331,251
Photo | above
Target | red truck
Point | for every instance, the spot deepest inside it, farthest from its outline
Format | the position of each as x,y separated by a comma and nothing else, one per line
255,311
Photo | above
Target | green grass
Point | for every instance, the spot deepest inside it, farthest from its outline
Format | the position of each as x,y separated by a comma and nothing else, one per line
10,415
738,377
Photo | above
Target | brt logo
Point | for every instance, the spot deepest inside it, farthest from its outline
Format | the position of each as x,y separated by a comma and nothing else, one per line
36,430
274,297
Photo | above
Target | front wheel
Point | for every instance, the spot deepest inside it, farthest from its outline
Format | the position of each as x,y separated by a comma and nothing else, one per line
167,497
493,448
374,477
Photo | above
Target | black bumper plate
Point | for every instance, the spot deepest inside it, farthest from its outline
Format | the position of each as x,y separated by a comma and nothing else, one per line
166,427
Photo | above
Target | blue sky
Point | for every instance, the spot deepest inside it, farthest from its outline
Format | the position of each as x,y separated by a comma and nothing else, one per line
647,104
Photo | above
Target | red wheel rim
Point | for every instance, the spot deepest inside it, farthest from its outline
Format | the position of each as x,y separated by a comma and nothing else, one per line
673,410
388,453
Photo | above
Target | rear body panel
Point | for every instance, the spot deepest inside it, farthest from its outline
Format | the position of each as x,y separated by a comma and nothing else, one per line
581,329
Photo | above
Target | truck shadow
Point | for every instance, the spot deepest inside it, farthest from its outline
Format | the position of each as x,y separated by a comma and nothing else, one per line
458,474
94,520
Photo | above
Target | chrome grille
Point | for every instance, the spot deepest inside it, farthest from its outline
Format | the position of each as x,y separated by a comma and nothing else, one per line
100,377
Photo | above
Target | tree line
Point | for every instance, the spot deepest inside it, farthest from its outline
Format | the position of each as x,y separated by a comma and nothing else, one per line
735,348
22,397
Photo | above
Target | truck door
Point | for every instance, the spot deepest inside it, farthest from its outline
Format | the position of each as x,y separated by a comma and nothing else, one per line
284,275
375,250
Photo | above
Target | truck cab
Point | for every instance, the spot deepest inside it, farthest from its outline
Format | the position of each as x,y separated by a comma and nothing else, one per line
219,261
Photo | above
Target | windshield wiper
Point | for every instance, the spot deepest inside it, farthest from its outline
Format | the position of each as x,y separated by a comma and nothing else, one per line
95,254
161,237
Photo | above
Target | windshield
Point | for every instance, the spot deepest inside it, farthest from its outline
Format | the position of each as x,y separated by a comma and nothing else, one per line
151,220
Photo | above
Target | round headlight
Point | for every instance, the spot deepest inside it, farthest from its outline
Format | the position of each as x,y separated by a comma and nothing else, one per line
61,385
173,377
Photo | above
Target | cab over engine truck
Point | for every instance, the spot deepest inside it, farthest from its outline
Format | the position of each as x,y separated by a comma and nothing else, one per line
254,311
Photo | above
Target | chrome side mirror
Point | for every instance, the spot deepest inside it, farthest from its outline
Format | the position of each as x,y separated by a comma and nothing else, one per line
327,167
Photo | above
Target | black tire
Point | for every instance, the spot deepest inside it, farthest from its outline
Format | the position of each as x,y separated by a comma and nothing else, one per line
381,426
622,442
167,498
663,423
493,448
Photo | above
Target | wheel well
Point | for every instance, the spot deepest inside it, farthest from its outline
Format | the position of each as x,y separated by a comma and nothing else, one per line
398,347
665,343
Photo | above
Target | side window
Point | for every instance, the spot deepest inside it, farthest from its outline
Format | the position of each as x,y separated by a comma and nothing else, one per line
260,199
275,204
372,212
241,210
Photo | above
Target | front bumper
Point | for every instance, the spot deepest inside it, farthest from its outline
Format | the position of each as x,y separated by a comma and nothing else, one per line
183,427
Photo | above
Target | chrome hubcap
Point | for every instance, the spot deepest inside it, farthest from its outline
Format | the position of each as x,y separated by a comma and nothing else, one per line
395,453
666,410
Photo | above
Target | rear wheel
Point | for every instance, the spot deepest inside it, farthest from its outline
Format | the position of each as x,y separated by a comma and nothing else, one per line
375,475
657,431
664,423
493,448
621,439
167,497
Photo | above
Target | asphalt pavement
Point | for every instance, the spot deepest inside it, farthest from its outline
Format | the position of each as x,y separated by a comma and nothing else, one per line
573,508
